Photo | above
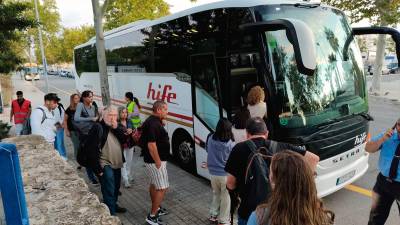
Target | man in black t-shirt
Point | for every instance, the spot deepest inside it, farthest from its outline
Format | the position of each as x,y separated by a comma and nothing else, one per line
155,143
237,162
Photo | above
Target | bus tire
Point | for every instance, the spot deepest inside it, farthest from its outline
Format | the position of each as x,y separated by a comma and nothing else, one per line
183,150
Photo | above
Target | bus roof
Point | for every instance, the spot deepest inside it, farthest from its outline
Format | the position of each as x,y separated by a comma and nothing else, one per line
140,24
30,64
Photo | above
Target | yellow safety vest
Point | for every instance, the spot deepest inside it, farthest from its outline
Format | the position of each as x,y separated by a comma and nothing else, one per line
136,122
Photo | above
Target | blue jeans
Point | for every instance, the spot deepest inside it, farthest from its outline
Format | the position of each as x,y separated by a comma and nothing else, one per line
242,221
59,143
110,184
91,175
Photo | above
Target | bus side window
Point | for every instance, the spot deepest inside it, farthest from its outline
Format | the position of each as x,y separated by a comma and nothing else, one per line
204,74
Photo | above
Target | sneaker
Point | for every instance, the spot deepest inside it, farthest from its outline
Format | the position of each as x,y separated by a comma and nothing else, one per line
120,209
127,184
213,219
153,220
162,211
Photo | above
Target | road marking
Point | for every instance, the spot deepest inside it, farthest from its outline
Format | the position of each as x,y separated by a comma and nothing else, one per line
359,190
58,89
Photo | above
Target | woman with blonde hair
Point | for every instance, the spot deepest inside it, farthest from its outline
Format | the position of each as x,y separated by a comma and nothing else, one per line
127,145
293,200
255,100
70,130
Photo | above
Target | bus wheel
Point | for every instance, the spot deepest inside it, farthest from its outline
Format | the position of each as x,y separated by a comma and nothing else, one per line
183,149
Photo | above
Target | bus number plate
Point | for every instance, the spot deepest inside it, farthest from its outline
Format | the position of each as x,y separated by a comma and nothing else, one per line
345,177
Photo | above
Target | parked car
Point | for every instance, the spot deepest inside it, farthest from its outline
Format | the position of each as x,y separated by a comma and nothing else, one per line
52,72
394,70
63,73
70,74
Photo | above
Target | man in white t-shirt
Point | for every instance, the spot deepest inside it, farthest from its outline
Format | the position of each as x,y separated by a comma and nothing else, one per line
43,120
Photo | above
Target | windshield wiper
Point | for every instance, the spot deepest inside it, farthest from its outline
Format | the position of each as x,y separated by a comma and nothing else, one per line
309,6
364,115
328,124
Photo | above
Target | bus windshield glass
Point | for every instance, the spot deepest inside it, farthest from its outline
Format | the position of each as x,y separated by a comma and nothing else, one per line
31,70
337,87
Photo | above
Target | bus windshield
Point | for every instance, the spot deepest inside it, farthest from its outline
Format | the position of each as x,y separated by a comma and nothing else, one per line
31,70
337,87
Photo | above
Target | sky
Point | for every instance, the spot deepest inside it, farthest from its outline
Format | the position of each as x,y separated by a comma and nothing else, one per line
75,13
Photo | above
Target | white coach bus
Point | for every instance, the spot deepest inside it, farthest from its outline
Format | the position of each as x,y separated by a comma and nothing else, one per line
202,62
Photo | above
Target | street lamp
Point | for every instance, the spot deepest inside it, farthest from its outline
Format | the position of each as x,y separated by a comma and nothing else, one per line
42,48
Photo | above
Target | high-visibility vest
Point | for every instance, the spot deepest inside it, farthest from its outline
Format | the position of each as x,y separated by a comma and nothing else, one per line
20,113
136,119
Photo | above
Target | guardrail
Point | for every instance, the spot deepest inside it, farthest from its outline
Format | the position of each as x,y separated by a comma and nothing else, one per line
11,186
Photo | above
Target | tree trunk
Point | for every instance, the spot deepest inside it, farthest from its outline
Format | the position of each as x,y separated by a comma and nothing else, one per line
101,52
380,54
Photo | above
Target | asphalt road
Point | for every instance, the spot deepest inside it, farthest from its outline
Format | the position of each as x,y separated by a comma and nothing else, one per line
351,207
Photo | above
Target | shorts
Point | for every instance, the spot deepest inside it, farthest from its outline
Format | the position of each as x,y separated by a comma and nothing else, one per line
158,177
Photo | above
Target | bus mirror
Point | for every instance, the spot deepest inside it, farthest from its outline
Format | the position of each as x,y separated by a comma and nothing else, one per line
373,30
300,36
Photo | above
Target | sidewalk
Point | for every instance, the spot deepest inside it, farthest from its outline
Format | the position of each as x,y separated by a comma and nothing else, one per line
390,87
31,93
187,199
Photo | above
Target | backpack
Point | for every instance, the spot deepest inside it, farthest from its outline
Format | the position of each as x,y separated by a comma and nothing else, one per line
27,129
87,143
83,127
256,180
60,108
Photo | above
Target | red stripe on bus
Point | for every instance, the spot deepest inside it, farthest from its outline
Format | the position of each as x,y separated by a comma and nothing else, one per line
180,116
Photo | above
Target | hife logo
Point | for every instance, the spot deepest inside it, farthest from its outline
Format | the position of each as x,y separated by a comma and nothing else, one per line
360,139
162,93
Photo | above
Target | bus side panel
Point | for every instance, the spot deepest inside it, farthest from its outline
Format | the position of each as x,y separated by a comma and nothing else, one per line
201,133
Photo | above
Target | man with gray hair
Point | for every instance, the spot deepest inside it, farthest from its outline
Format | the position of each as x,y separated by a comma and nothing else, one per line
155,143
236,166
387,186
105,156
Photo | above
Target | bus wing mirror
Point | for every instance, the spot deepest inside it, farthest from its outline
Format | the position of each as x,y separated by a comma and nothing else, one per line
300,36
373,30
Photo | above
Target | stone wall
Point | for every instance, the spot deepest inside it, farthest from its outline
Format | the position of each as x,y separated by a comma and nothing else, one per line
55,194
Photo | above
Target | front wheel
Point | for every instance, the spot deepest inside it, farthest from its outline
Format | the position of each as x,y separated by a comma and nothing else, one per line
183,149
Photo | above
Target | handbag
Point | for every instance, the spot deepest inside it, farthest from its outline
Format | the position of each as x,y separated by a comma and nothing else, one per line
136,135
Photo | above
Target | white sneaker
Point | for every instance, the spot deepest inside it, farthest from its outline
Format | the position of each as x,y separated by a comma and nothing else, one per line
127,185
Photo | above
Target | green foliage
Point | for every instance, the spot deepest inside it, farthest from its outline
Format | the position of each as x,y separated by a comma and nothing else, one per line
63,47
4,129
121,12
12,19
377,11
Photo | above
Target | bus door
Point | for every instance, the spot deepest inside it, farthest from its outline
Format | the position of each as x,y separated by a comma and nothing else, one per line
206,104
243,75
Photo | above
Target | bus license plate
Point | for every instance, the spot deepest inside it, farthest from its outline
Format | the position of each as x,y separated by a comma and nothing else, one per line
345,177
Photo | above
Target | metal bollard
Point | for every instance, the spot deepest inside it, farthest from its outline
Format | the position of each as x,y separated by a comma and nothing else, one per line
11,186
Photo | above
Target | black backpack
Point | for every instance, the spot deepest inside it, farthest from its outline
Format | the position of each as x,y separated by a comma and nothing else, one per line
88,144
257,183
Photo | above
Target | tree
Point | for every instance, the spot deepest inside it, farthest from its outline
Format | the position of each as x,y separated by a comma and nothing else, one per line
98,15
49,23
99,11
379,12
63,46
122,12
11,20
